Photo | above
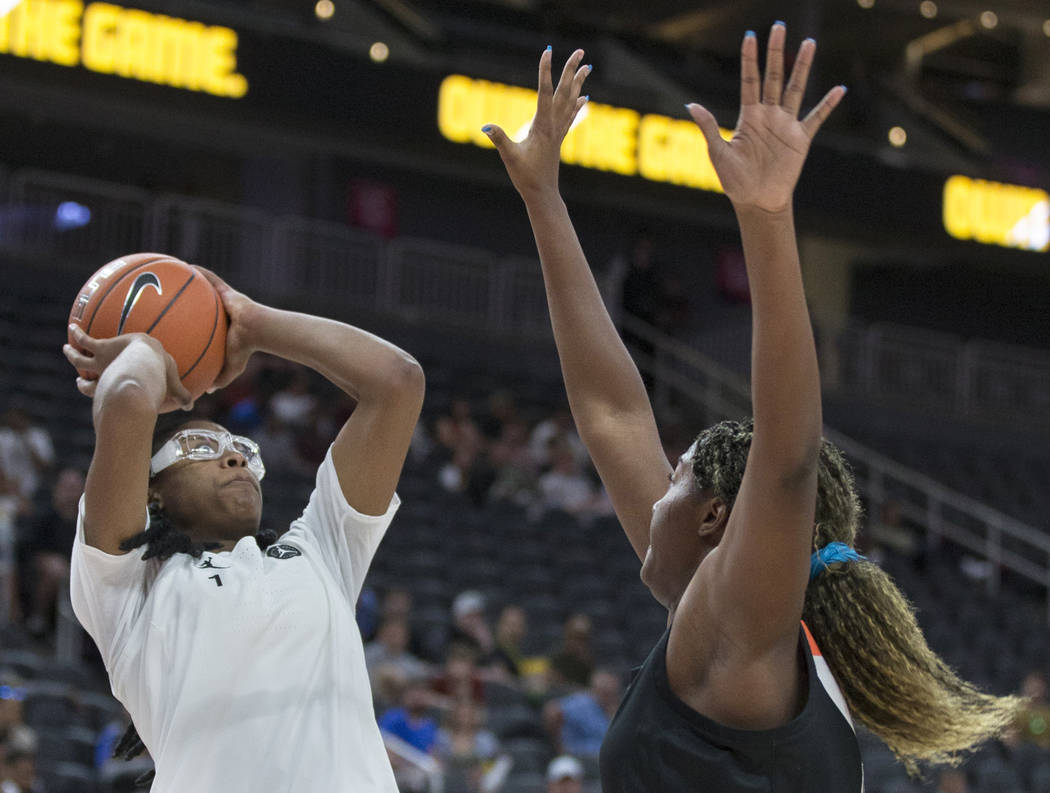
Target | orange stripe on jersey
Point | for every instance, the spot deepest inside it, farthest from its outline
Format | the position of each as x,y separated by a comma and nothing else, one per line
813,648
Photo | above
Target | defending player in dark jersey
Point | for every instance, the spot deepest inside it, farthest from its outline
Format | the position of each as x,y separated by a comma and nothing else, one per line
752,528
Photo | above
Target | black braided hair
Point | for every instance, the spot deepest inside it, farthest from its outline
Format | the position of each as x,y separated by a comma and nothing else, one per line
162,541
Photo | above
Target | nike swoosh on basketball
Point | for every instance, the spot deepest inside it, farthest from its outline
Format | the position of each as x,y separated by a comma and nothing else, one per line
141,282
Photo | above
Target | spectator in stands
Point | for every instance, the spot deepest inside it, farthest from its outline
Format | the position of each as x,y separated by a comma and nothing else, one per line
279,440
466,469
511,629
20,772
47,544
572,664
390,649
566,487
754,527
464,745
457,431
18,762
565,775
295,404
577,723
397,603
501,410
411,720
469,625
459,678
514,468
557,425
952,780
26,451
202,613
388,689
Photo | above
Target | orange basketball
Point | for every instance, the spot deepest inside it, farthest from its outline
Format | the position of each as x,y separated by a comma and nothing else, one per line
166,298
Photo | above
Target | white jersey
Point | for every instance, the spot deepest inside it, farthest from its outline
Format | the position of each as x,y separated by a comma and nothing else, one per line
244,670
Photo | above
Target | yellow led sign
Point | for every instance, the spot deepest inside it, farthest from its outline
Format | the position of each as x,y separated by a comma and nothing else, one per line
126,42
997,214
605,137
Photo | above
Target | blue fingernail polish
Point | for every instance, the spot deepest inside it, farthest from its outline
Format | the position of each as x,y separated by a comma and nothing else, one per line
810,39
844,89
749,34
590,68
548,48
487,128
778,22
586,97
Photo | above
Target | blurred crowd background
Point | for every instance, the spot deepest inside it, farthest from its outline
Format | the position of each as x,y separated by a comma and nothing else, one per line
503,613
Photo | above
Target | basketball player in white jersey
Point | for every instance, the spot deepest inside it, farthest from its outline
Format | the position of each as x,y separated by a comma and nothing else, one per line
236,652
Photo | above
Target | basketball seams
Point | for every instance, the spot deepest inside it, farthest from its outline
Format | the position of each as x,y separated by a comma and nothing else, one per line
171,302
197,349
101,299
211,337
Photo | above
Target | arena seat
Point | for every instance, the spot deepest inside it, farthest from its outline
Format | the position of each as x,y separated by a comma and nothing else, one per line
66,777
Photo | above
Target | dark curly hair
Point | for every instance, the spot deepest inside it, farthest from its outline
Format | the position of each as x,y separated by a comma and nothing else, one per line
893,682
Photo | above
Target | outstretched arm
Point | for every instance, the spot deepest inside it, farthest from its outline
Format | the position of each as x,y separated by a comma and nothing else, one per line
752,586
132,380
606,394
387,383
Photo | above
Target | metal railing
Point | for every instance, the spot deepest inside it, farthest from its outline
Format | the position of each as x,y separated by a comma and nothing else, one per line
422,280
968,379
69,215
421,771
944,513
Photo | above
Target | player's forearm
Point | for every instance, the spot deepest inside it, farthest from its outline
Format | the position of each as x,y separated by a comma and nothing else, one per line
363,365
135,380
785,380
600,377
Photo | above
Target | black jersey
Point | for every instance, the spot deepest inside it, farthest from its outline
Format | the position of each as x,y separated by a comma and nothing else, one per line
657,743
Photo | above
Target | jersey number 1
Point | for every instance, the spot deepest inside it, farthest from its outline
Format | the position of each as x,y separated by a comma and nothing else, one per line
216,579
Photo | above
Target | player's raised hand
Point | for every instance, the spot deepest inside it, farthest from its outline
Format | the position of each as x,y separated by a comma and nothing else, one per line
533,163
760,166
91,357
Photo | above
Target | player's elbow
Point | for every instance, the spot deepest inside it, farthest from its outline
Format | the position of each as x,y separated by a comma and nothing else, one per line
402,379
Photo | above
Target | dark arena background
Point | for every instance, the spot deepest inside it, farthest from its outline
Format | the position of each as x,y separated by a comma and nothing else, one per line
329,158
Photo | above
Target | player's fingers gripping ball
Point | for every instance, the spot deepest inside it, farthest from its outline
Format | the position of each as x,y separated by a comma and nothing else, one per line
165,298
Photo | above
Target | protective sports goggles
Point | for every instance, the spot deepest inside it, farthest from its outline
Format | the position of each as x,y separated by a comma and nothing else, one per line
200,444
